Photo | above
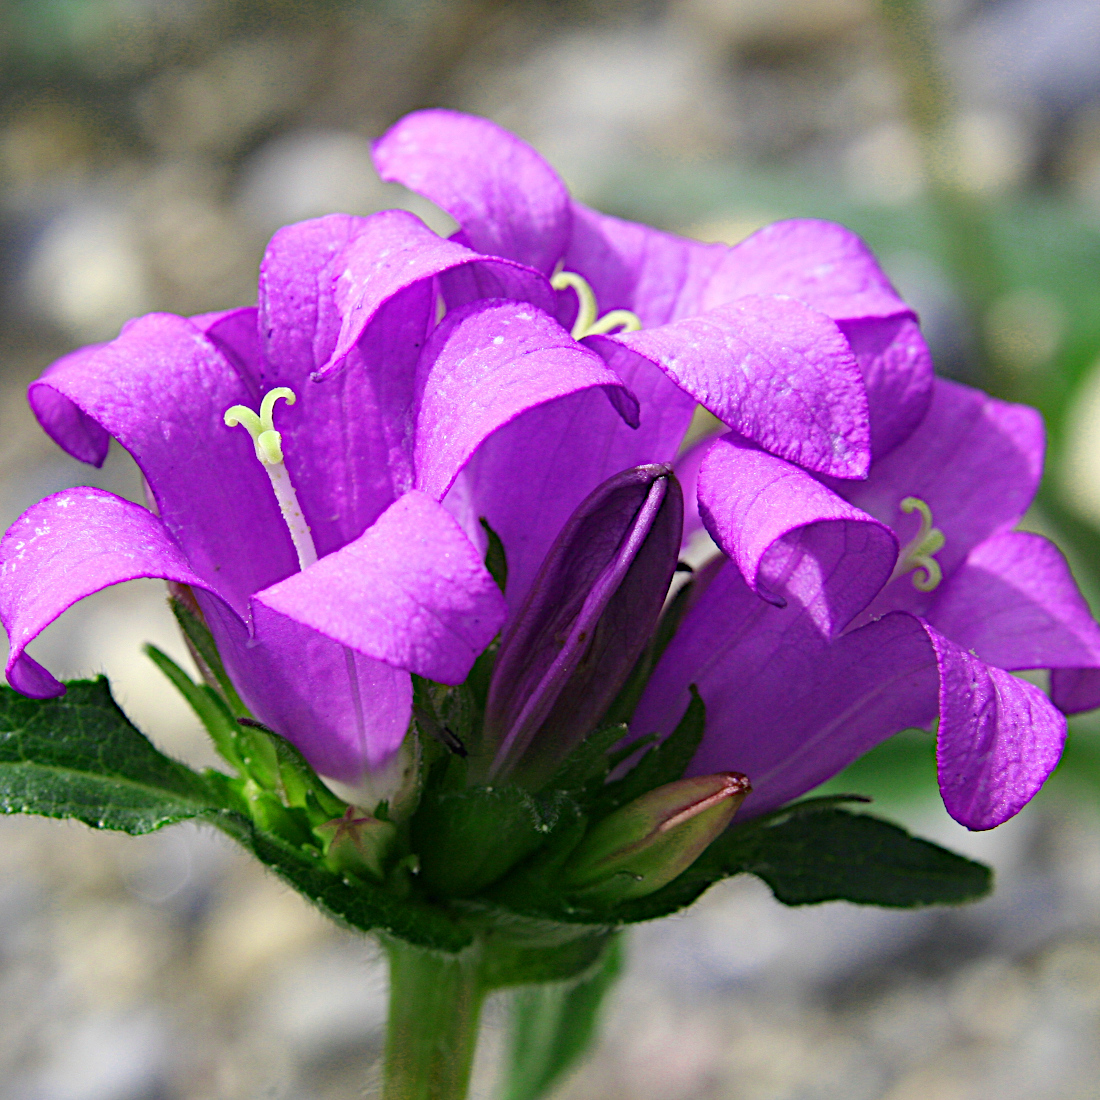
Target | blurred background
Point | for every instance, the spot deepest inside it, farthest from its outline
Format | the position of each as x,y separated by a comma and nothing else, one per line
148,148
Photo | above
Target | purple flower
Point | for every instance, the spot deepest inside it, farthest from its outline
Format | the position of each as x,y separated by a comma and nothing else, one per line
318,466
317,549
850,610
795,337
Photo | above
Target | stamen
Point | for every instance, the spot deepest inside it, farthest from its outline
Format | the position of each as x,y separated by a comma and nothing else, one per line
269,450
918,553
586,323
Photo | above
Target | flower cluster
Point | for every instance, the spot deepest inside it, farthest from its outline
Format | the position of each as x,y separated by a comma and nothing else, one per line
329,470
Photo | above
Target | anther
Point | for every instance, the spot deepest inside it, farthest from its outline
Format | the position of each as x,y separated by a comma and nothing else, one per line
917,555
587,323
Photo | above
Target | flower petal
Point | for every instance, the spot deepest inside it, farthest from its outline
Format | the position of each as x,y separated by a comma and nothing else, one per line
820,263
657,275
786,706
1075,689
347,714
999,738
897,372
974,460
161,389
66,547
791,537
236,333
1015,604
63,420
393,251
775,371
410,591
484,365
507,199
528,477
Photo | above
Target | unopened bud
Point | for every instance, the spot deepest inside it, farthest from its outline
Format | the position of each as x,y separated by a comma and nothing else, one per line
590,613
357,842
647,843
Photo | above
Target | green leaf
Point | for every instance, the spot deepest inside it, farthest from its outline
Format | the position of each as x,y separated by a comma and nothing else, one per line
80,757
352,902
553,1027
662,764
495,559
809,855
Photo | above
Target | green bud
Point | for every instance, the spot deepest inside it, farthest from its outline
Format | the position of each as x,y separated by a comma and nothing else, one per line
648,842
357,843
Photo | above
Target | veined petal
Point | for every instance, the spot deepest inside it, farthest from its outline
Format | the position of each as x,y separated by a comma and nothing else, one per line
161,389
484,365
299,321
1014,603
1075,689
347,714
786,706
507,199
974,460
999,737
66,547
410,591
820,263
897,372
236,332
791,537
774,370
528,477
394,250
63,420
346,443
657,275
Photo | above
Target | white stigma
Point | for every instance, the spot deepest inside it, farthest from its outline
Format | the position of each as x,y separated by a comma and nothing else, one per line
918,553
269,452
588,322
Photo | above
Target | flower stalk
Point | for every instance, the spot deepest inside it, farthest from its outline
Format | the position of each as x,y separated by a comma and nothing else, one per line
435,1005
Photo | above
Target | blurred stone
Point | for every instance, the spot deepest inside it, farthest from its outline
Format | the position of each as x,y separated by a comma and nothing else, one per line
86,274
310,173
884,165
216,106
1079,471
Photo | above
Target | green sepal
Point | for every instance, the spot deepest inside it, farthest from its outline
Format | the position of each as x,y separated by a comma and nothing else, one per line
206,653
584,770
554,1025
80,757
469,838
210,707
664,763
496,561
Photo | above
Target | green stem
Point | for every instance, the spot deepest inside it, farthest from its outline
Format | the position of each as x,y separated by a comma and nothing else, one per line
435,1002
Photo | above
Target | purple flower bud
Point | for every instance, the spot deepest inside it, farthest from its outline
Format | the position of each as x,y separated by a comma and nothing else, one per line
647,843
589,615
